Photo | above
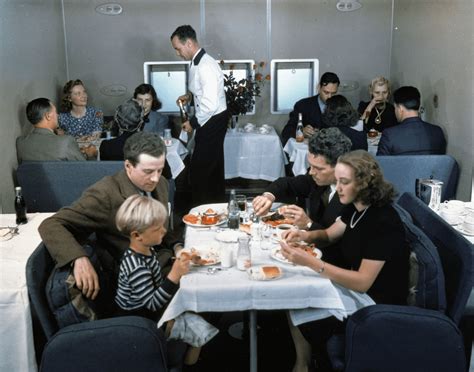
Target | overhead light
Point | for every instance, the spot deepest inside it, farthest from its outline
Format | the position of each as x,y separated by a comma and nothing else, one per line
348,5
109,9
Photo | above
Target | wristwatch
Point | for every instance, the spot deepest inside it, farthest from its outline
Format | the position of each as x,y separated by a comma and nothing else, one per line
321,270
309,224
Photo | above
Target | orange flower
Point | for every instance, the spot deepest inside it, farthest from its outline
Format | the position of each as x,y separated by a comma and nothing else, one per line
258,76
262,64
222,62
267,77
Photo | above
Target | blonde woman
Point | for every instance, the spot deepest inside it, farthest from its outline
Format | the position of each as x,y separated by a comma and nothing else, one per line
378,113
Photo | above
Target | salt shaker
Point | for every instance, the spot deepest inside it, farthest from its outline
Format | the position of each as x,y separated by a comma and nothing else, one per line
243,253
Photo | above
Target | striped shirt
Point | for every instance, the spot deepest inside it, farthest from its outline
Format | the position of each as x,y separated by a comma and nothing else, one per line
140,284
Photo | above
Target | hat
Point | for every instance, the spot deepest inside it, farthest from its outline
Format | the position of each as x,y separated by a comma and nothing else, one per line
129,116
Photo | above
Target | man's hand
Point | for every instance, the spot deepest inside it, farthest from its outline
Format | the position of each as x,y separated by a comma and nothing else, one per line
90,151
184,99
297,215
86,278
262,204
308,131
186,126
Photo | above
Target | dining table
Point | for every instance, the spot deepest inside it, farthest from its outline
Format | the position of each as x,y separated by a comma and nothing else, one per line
17,351
304,293
254,153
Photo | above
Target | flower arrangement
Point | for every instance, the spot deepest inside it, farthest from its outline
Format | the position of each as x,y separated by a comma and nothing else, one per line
240,95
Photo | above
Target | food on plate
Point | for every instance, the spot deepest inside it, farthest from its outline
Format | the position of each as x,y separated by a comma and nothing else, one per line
210,217
192,219
271,272
246,227
264,272
199,259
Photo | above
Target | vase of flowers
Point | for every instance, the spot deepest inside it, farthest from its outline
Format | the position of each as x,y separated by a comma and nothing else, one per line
241,94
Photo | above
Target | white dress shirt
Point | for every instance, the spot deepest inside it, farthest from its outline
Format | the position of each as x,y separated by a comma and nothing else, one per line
206,83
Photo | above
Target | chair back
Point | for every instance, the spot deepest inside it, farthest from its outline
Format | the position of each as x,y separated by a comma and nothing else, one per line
402,171
454,250
38,268
50,185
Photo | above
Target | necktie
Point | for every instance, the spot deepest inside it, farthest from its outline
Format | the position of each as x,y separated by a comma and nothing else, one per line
325,196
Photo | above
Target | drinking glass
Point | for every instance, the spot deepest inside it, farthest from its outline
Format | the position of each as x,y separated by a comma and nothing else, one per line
243,253
167,137
250,213
266,234
241,202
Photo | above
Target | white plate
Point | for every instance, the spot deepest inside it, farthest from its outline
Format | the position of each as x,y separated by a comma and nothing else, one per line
229,236
277,255
462,231
220,209
209,253
257,273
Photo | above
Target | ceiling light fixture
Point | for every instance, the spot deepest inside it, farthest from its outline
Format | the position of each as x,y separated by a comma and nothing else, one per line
348,5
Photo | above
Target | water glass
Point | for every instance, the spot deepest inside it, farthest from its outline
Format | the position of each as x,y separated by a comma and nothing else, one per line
249,207
266,233
243,253
167,137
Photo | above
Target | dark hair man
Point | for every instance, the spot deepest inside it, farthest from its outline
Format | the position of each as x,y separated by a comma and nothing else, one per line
65,232
206,90
43,143
311,108
413,135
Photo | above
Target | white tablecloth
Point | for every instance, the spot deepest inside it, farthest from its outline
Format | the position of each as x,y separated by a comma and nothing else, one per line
17,351
233,290
254,155
298,153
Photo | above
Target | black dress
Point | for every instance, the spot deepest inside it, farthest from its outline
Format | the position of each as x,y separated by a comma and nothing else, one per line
388,117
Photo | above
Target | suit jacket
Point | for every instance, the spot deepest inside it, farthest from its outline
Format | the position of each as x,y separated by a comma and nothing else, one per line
358,138
65,232
412,137
312,115
304,187
112,149
43,144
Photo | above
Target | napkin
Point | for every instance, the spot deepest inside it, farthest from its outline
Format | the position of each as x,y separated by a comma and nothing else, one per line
183,136
192,329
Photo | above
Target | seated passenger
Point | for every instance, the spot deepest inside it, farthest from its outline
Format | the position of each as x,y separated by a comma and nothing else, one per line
372,240
78,119
318,186
378,114
311,108
43,143
340,114
142,288
412,136
129,120
154,121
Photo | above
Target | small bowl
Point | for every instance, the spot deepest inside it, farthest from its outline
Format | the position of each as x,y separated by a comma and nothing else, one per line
209,218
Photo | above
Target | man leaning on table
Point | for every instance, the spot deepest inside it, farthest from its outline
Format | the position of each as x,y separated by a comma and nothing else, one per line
311,108
43,143
318,185
413,135
206,89
65,233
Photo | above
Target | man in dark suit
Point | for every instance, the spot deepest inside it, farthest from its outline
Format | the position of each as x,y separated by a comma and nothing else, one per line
413,135
43,143
311,108
318,187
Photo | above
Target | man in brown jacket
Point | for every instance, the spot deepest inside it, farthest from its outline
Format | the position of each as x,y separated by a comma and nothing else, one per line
94,212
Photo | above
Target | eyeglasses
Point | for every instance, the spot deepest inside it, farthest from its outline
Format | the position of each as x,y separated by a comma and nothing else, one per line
7,233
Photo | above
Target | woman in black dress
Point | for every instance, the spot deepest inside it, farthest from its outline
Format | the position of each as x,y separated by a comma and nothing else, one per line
378,113
372,240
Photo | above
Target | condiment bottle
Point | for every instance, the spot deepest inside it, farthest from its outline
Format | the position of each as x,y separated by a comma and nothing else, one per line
20,207
299,129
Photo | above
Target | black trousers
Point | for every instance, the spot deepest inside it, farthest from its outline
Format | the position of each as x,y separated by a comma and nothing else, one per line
207,162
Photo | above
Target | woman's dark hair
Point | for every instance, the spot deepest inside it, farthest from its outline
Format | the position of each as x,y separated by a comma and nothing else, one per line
339,113
148,89
66,104
372,188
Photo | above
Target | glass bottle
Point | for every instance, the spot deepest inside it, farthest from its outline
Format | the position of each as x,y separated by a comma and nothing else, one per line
20,207
299,129
182,111
234,212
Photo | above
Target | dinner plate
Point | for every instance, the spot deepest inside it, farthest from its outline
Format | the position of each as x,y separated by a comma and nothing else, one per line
278,256
462,231
229,236
265,272
209,253
199,210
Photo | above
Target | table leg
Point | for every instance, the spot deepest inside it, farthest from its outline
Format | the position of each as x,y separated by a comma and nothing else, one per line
253,340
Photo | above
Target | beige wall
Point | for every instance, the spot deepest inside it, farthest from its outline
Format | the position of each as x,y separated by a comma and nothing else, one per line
433,49
32,65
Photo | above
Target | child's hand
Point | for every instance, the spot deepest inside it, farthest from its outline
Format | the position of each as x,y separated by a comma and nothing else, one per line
179,268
